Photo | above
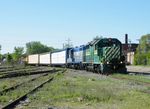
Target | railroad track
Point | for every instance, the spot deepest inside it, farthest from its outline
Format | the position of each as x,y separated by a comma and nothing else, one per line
15,86
4,67
14,68
138,81
17,101
121,78
125,78
16,74
138,73
19,70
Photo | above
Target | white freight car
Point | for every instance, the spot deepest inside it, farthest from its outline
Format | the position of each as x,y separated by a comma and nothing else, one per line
33,59
58,58
45,59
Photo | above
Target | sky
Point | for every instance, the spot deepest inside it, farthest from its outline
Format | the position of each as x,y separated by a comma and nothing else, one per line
52,22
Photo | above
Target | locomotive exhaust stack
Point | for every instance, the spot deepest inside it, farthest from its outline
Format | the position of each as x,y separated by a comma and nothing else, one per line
126,38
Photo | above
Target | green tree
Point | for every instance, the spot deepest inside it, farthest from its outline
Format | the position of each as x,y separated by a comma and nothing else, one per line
9,58
0,53
36,47
142,56
0,47
18,52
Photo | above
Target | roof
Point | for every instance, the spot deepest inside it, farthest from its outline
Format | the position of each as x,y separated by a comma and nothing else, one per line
97,40
93,42
61,50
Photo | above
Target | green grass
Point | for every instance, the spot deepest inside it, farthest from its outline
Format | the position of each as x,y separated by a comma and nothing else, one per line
74,91
9,82
7,97
137,78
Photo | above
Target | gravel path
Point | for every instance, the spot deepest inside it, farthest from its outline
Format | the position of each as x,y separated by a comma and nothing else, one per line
85,74
142,69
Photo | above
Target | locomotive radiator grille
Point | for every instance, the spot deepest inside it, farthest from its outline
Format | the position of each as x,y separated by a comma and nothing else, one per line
112,52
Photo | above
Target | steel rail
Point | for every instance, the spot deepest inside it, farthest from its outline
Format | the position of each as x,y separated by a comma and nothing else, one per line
16,102
15,86
27,73
23,97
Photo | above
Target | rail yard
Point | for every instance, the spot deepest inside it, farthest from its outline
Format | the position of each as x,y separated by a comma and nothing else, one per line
74,54
91,76
61,88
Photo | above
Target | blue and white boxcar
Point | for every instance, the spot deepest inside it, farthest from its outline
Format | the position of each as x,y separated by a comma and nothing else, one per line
77,55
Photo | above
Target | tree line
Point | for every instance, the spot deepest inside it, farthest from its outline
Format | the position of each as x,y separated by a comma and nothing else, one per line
19,53
142,54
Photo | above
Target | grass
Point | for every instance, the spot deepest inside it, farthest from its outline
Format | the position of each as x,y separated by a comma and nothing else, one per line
26,69
24,72
5,83
74,91
137,78
15,68
8,82
21,90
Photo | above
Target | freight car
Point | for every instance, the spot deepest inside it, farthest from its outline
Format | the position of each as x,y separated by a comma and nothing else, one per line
33,59
101,55
59,58
45,58
76,57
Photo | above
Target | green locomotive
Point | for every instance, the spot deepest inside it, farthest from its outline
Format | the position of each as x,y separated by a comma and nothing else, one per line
104,56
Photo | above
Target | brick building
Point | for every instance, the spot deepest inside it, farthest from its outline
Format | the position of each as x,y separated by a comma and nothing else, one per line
129,50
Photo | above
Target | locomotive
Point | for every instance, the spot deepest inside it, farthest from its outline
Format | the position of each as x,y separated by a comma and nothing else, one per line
100,55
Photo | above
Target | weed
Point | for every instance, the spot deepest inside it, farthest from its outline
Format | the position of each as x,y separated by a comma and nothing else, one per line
70,91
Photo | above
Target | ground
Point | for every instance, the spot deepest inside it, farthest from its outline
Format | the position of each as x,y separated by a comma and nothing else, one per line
85,90
144,69
79,89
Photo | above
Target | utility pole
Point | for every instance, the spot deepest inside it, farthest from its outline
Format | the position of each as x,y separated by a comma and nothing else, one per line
130,51
63,45
139,51
0,54
68,42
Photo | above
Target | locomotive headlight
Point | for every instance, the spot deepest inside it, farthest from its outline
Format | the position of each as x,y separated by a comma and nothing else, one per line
121,62
107,62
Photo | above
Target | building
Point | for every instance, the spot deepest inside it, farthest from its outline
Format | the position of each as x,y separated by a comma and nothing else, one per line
129,50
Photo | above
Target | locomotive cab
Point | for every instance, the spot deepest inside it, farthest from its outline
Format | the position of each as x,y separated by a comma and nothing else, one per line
105,56
110,55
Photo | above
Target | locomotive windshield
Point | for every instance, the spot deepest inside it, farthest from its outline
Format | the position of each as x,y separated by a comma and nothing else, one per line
108,44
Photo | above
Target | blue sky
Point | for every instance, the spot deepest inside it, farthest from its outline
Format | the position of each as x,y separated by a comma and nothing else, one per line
53,21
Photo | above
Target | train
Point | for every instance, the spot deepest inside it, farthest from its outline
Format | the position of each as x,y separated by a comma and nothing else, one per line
103,56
